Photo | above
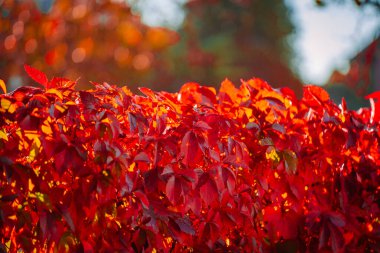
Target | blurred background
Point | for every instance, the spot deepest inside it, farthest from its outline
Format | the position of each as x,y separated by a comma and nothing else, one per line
161,44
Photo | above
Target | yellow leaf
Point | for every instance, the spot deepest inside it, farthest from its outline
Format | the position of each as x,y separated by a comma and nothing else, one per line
3,86
3,135
132,167
55,92
31,134
60,108
40,196
271,154
43,198
70,103
8,244
5,103
32,154
12,108
106,120
30,185
46,129
34,150
13,217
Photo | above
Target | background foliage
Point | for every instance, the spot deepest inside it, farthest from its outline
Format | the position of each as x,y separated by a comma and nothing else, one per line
105,40
86,40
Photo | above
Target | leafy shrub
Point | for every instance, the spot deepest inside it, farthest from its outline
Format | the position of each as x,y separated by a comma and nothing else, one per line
251,169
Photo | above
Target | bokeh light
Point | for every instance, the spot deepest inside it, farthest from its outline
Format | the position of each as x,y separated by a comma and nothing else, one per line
91,40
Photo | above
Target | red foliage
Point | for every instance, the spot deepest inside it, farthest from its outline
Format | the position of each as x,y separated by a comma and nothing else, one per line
250,169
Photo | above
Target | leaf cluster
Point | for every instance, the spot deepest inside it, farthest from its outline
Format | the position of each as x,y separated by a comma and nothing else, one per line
248,169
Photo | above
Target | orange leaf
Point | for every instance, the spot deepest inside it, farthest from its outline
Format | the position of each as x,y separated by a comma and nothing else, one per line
314,92
3,86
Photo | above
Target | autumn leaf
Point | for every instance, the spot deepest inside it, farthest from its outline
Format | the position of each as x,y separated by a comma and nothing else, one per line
143,199
148,92
142,157
173,190
37,75
291,161
3,87
185,226
189,148
374,99
315,93
208,189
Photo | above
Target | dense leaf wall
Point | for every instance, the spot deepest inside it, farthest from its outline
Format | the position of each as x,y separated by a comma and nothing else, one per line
249,169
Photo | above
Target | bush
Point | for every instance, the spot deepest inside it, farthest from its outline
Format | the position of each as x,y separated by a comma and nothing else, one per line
251,169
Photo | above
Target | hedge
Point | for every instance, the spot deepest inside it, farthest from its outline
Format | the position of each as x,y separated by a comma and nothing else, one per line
248,169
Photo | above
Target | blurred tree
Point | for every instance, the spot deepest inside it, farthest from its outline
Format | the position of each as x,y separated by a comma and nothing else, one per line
372,3
97,40
101,40
234,39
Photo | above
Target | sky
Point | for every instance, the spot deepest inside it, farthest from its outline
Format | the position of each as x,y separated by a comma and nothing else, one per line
326,38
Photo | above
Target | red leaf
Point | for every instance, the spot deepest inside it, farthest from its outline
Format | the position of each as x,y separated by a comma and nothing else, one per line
173,190
185,225
195,204
209,192
202,125
281,224
316,93
375,94
193,93
132,122
274,98
151,180
168,170
25,92
209,231
324,236
228,177
37,75
143,199
170,189
189,175
88,100
69,220
189,148
291,161
43,223
337,239
142,157
337,219
289,93
87,247
129,183
188,93
58,82
68,158
374,99
279,128
148,92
